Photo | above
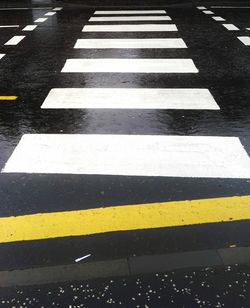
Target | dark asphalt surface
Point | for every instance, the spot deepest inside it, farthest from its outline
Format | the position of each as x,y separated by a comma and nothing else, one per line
30,69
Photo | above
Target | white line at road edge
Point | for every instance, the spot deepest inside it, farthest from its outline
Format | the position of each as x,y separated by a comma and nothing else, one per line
116,12
245,40
120,98
129,18
129,66
130,155
130,28
29,28
15,40
40,19
9,26
131,43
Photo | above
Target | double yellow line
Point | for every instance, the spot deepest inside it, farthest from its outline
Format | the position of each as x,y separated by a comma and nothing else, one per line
123,218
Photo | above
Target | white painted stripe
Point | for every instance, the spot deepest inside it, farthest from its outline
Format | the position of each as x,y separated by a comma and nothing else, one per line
230,27
24,8
201,8
40,19
130,12
129,28
15,40
2,55
129,18
131,155
247,28
245,40
230,7
218,18
208,12
120,98
131,43
29,28
129,66
57,9
9,26
50,14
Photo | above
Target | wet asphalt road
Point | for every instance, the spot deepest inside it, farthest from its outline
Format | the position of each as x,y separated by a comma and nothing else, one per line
33,67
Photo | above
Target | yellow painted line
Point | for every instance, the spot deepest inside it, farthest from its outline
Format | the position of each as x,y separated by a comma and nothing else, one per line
123,218
8,98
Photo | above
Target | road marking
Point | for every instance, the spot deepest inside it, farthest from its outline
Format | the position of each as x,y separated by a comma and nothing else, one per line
8,98
57,9
245,40
201,8
218,18
10,26
129,28
130,155
50,14
130,12
40,19
129,66
129,18
15,40
208,12
131,43
230,7
2,55
29,28
247,28
25,8
230,27
120,98
123,218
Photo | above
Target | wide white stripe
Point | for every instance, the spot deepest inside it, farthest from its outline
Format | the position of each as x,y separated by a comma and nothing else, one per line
131,155
201,8
129,66
15,40
50,14
131,43
40,19
129,18
120,98
10,26
130,12
245,40
2,55
208,12
230,7
129,28
218,18
230,27
29,28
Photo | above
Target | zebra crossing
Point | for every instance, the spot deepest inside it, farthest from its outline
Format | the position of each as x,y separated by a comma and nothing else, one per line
132,155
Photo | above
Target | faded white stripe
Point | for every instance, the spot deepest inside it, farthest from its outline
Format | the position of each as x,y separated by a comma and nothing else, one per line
129,18
130,43
120,98
131,155
15,40
230,27
245,40
129,28
129,66
218,18
130,12
29,28
40,19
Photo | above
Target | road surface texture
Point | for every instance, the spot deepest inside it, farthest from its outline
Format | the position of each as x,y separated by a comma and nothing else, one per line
125,144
